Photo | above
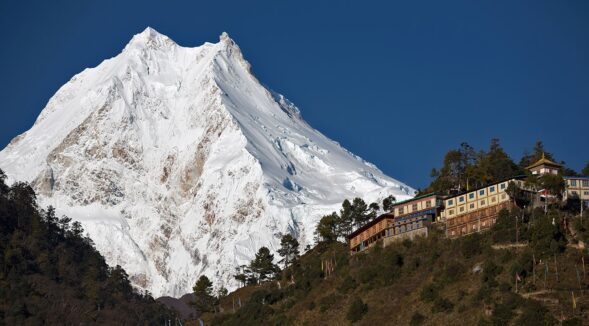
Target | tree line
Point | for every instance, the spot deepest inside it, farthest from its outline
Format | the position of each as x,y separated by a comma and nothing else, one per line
50,272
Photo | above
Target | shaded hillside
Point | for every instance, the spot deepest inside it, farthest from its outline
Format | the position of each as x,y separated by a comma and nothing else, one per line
432,281
50,272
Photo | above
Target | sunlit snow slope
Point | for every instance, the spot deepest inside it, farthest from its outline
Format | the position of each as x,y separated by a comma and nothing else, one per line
178,162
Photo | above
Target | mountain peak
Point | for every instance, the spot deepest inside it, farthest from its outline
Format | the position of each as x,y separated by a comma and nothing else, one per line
149,38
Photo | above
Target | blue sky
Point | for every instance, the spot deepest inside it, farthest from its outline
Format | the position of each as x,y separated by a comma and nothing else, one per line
398,83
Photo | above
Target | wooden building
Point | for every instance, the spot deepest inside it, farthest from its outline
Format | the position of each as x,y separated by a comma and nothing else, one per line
406,219
476,210
367,235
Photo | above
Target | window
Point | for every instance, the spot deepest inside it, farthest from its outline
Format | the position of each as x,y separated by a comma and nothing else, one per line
450,202
482,202
492,189
502,196
573,183
503,185
585,183
471,195
462,208
482,192
401,211
471,206
428,204
586,193
494,199
451,212
461,199
574,193
414,207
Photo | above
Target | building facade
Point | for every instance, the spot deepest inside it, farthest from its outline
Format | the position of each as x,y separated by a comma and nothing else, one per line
544,166
577,187
476,210
368,234
406,219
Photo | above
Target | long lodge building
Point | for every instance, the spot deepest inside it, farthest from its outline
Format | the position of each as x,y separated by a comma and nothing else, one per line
406,219
468,212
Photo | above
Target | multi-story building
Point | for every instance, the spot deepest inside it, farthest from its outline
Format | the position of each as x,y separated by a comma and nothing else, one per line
477,209
577,187
368,234
406,219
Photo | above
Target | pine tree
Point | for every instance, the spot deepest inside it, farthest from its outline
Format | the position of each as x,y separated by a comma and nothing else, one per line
204,301
263,267
585,170
328,228
289,249
388,202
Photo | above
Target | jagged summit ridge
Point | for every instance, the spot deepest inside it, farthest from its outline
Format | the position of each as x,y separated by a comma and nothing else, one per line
179,162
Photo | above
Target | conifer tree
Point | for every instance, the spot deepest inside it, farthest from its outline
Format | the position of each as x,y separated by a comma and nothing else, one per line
388,202
263,267
289,249
585,170
328,228
204,301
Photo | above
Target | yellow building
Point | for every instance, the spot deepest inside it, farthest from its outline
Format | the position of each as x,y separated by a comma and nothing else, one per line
577,187
476,210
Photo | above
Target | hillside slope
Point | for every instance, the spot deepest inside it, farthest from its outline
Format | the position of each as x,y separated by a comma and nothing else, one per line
431,281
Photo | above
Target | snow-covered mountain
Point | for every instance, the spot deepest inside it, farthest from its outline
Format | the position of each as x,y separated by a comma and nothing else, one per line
179,162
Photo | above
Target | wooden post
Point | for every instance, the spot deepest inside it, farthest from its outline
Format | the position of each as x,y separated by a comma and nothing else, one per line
556,268
534,268
578,277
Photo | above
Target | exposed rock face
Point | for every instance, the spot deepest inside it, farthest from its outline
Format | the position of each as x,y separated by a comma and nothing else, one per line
178,162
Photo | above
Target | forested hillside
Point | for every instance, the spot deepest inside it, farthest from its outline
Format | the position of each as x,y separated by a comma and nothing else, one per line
50,272
432,281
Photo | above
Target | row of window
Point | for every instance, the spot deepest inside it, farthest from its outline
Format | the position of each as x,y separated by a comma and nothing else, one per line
584,183
481,193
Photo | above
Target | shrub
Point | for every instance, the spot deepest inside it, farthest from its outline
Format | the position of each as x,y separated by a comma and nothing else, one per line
417,319
429,293
442,305
326,302
357,310
347,285
471,245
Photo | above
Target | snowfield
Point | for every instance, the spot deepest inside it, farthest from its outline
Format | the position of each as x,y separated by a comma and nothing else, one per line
178,162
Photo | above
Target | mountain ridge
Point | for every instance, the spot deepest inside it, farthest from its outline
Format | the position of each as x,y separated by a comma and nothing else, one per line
178,162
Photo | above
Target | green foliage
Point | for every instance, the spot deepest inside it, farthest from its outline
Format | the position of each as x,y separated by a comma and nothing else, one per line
357,310
442,305
289,249
554,183
429,293
388,202
471,245
585,170
327,229
533,313
262,266
348,284
464,168
204,301
326,302
547,237
504,228
51,274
